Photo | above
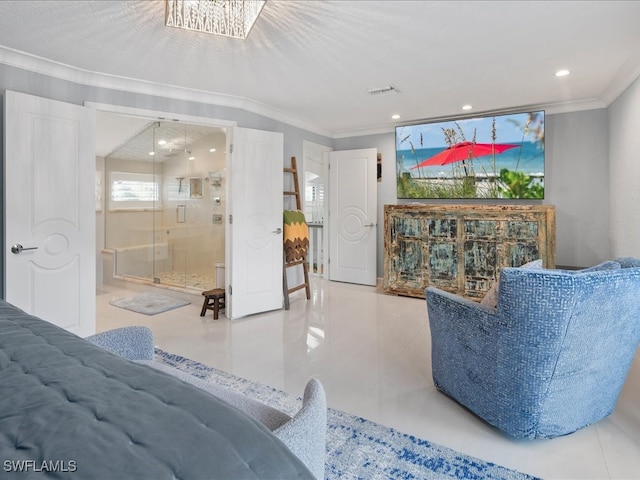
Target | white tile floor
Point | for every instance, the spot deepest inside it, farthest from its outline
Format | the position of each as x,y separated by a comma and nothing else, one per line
372,353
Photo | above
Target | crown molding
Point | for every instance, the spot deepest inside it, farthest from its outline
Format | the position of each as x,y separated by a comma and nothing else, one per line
550,109
628,73
33,63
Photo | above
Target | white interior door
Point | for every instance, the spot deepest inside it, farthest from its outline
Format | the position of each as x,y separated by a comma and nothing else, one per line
256,205
50,210
316,164
353,198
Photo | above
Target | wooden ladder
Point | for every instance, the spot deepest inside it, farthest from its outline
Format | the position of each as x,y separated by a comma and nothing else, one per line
300,259
296,189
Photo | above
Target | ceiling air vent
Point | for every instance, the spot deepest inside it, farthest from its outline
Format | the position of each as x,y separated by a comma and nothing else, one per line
386,90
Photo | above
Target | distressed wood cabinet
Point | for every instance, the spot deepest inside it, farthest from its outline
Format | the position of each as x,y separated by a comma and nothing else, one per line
461,248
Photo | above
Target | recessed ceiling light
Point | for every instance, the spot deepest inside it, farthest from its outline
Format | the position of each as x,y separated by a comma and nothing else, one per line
467,107
562,73
152,153
162,142
192,158
395,116
212,150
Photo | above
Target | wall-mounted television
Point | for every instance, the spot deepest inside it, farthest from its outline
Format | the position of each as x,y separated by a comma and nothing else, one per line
488,157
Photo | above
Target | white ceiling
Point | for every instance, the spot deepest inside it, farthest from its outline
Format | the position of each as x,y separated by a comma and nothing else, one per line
311,62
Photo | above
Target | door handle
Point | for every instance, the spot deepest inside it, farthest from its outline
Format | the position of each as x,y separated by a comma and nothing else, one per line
17,248
277,231
370,225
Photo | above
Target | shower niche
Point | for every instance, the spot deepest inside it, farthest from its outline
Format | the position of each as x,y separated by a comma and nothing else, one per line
166,192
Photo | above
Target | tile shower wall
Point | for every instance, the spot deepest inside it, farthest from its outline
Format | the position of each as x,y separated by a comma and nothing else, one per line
194,197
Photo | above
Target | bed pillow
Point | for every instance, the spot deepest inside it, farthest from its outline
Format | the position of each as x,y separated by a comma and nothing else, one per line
490,299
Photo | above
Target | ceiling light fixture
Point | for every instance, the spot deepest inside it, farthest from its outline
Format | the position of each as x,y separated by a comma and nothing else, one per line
395,116
467,107
562,73
231,18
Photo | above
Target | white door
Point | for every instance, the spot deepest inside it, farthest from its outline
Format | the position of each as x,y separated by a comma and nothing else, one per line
50,210
256,193
353,198
316,175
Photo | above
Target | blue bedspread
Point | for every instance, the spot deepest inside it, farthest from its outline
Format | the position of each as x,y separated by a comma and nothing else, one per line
69,409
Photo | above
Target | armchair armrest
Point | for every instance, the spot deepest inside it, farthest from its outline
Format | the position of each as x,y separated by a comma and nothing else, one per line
132,343
305,433
451,313
463,347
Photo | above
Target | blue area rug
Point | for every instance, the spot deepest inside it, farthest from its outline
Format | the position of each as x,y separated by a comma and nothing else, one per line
358,448
148,303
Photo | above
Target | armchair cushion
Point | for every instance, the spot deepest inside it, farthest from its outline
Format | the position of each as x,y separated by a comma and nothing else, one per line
490,299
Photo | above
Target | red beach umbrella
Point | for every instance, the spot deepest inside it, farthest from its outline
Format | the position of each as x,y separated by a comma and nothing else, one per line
464,151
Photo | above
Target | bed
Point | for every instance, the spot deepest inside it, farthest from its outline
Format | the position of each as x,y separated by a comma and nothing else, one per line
68,408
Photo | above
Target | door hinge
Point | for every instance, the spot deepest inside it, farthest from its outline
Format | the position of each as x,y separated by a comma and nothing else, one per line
230,219
230,290
231,148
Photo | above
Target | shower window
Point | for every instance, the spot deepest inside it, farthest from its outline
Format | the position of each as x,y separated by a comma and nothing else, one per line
134,191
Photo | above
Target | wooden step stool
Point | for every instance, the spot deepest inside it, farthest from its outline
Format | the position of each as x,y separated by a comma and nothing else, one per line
213,300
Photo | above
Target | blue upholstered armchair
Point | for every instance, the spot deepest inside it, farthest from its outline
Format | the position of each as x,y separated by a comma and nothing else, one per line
304,433
550,359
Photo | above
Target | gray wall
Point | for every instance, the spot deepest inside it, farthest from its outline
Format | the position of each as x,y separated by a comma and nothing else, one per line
19,80
578,179
624,177
576,182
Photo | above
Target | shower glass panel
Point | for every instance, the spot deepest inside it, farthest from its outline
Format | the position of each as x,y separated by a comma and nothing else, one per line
167,194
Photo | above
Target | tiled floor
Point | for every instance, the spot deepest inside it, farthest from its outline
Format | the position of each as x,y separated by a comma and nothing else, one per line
193,280
372,353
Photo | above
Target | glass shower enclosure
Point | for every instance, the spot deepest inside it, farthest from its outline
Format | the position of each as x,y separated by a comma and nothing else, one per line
166,193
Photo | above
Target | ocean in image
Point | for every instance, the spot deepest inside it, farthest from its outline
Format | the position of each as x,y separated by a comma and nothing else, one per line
528,158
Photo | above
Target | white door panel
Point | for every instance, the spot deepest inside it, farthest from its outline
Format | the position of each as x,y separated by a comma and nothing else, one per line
256,175
316,162
353,216
49,185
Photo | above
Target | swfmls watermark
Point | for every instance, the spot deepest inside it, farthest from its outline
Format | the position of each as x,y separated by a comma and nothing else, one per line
46,466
